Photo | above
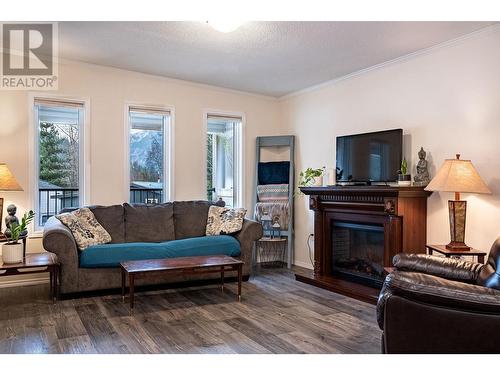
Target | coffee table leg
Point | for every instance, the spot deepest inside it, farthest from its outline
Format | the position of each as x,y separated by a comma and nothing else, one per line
131,290
240,276
222,278
123,285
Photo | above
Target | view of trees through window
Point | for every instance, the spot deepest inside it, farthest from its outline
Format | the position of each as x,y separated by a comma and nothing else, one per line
58,159
221,155
147,156
59,150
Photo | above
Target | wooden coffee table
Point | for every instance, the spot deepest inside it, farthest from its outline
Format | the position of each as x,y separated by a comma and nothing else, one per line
189,265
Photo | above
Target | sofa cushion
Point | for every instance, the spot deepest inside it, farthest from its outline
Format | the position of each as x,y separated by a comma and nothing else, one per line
112,218
190,218
110,255
149,222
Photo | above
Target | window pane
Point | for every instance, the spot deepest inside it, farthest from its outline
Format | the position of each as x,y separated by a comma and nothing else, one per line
147,157
221,156
58,159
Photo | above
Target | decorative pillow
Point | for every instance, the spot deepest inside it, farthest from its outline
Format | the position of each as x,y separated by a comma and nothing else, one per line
272,193
223,220
85,228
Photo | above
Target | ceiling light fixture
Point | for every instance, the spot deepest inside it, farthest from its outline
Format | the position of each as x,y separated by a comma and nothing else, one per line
225,25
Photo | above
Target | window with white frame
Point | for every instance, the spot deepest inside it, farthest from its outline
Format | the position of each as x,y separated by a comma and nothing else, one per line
223,167
58,157
149,140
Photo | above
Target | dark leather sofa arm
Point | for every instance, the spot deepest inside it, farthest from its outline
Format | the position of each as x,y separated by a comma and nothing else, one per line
448,268
437,291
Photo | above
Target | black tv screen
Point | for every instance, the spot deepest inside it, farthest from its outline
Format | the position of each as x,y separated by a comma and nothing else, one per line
369,157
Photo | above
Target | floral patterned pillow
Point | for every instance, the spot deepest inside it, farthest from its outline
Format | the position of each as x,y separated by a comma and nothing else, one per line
85,228
223,220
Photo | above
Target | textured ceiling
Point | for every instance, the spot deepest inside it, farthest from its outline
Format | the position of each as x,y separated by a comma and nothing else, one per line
271,58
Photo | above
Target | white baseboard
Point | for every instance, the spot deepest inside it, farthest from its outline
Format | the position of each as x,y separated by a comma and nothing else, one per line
303,264
42,279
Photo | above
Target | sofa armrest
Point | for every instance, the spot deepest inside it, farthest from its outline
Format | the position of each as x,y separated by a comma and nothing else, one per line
448,268
58,239
250,232
437,291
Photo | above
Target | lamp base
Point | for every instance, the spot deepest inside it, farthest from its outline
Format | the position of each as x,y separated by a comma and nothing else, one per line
457,246
457,211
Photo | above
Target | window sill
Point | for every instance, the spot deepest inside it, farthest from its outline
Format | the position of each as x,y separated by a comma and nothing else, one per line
37,234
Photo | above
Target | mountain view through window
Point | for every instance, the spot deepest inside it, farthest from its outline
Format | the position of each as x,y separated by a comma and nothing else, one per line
147,156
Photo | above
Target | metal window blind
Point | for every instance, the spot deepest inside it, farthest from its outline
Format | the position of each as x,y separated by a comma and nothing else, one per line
149,110
59,103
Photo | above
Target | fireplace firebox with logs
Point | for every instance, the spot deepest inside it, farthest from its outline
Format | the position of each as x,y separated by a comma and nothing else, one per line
358,230
358,252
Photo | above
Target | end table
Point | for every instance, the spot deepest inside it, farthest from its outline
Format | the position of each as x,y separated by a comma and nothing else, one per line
36,263
449,253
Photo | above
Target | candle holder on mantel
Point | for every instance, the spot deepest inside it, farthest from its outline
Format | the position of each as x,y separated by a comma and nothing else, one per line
458,176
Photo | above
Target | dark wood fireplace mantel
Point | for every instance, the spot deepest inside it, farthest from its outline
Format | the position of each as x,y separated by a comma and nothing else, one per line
402,212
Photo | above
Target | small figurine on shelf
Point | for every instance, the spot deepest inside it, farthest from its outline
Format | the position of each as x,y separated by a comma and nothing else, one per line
267,224
12,221
422,178
276,228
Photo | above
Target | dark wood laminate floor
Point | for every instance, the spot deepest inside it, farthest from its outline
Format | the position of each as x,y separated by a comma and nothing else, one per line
277,315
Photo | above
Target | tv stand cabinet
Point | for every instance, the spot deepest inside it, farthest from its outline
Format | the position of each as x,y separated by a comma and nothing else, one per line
402,211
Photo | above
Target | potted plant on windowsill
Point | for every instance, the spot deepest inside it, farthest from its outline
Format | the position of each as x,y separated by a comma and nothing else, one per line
312,177
12,251
404,179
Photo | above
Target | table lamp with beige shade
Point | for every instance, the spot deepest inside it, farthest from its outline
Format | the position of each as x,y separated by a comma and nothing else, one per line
458,176
7,183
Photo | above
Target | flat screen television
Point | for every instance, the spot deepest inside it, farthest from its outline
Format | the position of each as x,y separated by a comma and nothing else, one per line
369,157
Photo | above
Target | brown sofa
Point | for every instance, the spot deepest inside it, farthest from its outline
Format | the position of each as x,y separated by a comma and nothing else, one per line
434,304
139,223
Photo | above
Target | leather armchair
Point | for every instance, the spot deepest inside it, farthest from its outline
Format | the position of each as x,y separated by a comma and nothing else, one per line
434,304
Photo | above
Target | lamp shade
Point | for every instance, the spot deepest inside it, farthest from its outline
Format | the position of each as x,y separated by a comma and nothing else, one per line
7,180
458,175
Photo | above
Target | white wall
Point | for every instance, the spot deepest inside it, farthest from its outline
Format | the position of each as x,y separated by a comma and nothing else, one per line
446,100
108,90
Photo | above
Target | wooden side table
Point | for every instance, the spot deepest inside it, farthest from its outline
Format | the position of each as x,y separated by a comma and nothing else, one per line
449,253
36,263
